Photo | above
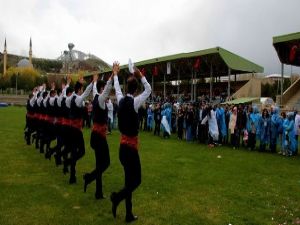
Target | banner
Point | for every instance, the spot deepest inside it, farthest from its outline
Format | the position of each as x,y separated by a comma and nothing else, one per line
197,64
155,71
168,68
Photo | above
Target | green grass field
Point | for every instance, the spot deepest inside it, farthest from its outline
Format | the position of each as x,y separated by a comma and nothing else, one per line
182,183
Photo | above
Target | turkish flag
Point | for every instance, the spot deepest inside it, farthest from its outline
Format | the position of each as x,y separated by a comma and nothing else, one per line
155,71
292,55
197,63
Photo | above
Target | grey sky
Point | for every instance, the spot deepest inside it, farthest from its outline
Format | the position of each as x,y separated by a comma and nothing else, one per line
140,29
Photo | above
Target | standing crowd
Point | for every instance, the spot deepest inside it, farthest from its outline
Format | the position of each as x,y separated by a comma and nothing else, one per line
237,125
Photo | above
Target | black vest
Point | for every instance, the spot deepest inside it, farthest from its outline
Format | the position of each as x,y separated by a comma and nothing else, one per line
75,111
56,108
29,108
50,108
65,111
100,115
42,108
127,117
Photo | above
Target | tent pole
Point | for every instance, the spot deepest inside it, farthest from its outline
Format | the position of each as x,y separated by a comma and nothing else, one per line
228,90
281,88
152,84
210,84
195,87
164,86
178,77
192,85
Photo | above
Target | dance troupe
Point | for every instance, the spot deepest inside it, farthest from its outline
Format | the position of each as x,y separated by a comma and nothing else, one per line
58,115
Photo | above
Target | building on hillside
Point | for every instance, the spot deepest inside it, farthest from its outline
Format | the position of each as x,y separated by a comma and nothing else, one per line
21,63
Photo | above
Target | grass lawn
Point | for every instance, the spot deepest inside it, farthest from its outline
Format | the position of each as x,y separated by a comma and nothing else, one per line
182,183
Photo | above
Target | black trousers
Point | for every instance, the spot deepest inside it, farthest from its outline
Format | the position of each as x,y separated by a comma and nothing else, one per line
157,128
100,146
251,140
202,133
130,161
180,131
77,149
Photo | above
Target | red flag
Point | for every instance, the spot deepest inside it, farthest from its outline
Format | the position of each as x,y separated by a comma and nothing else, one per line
155,71
293,53
197,63
143,71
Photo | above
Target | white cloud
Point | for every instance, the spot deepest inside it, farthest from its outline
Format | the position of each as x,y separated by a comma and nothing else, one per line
142,29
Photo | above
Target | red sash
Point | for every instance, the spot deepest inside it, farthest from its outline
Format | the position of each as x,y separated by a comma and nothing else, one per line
100,129
76,123
49,119
66,122
59,121
130,141
30,115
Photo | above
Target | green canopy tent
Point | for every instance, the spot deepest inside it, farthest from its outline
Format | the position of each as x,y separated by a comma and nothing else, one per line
240,101
288,51
194,65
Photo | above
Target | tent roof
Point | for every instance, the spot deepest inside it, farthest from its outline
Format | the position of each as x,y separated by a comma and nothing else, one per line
240,101
283,45
220,59
286,38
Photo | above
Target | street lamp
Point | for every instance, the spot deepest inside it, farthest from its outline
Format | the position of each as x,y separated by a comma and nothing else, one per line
17,83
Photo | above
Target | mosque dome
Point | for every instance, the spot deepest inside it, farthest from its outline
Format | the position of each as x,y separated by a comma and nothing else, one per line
24,63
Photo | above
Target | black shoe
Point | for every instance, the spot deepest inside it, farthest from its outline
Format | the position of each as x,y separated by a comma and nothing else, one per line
66,164
47,155
130,218
114,204
57,160
99,196
65,169
72,180
85,182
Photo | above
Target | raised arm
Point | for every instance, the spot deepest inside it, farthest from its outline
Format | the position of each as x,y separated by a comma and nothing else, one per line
33,99
116,69
79,100
140,99
95,91
103,96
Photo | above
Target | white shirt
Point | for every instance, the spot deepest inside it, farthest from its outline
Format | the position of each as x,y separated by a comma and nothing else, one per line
138,100
45,100
103,96
79,98
62,95
110,110
40,99
32,100
52,99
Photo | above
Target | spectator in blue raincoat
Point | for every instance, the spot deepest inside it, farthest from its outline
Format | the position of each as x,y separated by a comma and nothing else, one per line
220,115
276,128
253,126
264,130
169,114
284,144
149,118
290,134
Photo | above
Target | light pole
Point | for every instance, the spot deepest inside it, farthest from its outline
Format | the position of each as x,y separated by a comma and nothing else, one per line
17,83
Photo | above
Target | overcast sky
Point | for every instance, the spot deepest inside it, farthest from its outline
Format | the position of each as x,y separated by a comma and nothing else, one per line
143,29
